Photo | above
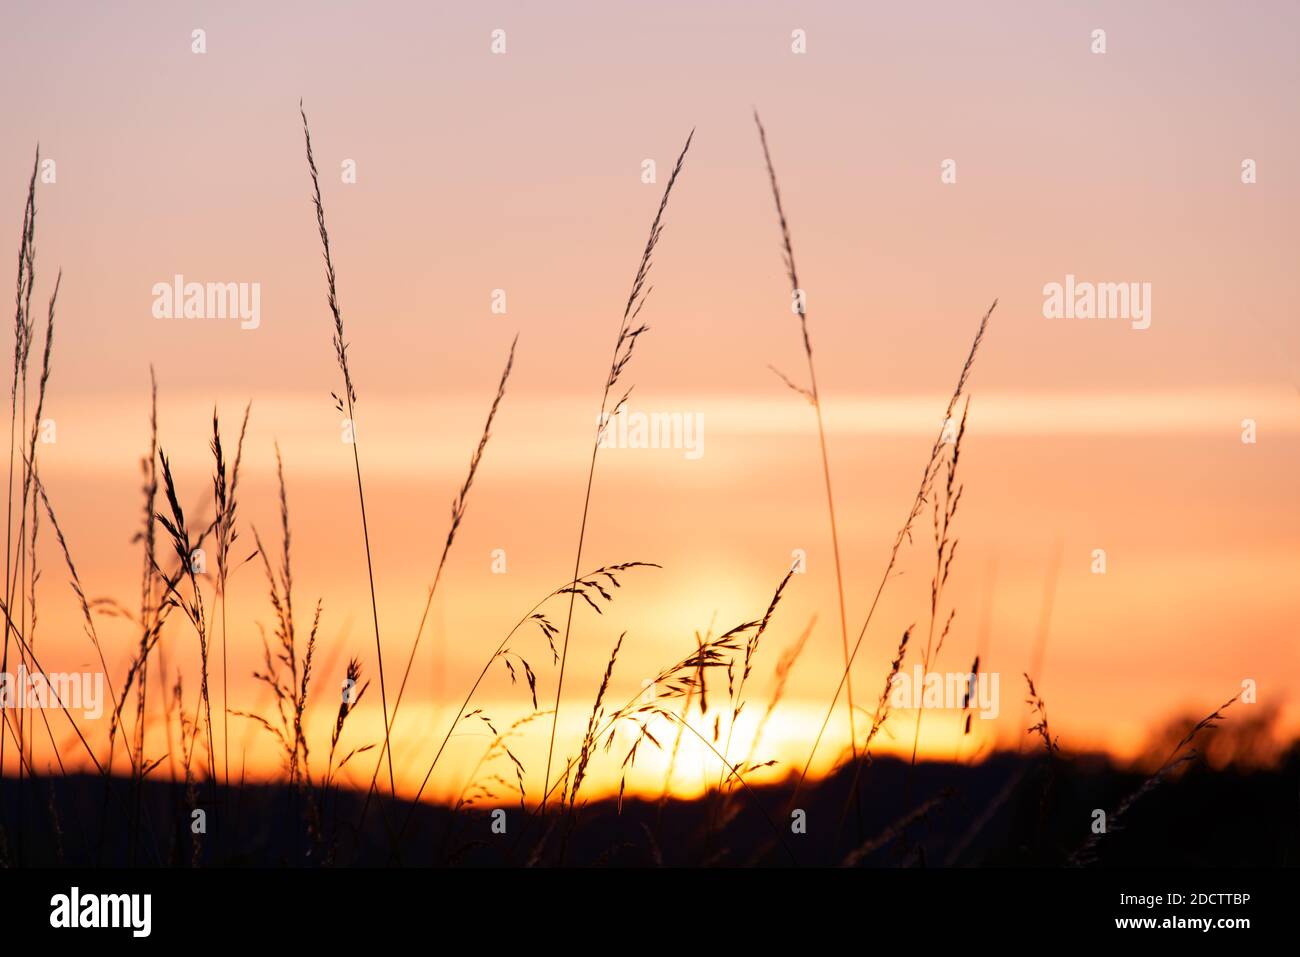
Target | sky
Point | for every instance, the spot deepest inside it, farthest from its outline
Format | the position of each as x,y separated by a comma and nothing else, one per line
522,172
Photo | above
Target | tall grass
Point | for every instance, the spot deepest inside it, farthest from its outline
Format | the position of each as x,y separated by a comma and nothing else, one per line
192,605
813,395
737,700
458,507
923,491
947,500
225,489
1181,754
629,330
345,404
22,328
663,699
290,665
596,587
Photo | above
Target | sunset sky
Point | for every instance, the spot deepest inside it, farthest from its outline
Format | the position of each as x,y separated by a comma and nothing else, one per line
522,172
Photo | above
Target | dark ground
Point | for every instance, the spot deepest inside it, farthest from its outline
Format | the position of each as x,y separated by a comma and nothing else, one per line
1008,811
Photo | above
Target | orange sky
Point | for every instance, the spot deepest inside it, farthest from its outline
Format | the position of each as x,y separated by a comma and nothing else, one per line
521,172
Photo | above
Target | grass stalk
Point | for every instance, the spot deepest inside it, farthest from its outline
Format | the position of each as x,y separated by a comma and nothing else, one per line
814,397
346,404
628,332
904,535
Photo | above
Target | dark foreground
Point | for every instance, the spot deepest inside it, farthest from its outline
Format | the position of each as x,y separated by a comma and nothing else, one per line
1023,811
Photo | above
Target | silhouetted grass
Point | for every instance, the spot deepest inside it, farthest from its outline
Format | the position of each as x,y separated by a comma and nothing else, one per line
1005,809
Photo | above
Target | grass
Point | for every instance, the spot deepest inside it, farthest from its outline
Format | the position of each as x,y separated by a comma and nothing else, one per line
799,302
346,404
458,509
224,494
315,817
629,331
